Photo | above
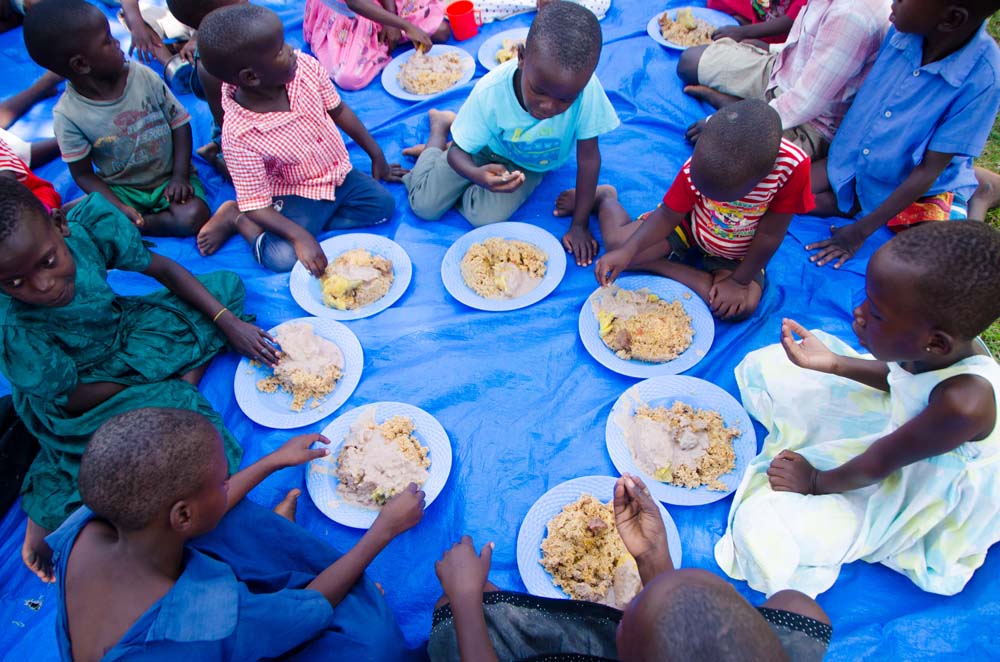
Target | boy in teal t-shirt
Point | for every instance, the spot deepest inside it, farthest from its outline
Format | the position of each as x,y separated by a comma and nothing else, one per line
522,120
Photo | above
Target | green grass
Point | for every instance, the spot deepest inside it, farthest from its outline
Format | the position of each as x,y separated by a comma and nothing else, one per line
991,160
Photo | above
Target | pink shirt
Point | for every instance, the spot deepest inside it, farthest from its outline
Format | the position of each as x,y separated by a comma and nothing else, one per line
298,152
830,48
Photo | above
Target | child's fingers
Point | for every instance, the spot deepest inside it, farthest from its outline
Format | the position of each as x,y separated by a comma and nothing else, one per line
321,439
486,555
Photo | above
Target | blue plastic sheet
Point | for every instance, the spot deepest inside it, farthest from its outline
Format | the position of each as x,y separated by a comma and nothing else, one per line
523,403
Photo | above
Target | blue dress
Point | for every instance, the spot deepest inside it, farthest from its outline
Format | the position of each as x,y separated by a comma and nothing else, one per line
241,596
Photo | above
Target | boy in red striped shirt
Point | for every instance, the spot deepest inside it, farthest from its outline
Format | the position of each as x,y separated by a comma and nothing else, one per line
724,216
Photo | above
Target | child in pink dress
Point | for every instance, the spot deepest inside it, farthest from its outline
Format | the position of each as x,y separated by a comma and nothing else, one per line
767,20
354,38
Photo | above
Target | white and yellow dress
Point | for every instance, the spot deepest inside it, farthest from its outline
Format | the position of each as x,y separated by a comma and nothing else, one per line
932,520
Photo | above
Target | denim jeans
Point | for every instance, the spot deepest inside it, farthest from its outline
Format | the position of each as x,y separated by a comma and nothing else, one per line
361,201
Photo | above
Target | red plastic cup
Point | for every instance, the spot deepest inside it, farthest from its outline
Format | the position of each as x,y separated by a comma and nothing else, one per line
465,19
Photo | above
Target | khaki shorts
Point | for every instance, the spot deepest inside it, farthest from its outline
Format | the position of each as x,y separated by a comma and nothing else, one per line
744,71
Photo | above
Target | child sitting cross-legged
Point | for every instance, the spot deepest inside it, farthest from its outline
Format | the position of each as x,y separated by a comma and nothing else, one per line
210,576
76,353
890,457
680,615
521,120
288,162
120,129
722,218
904,152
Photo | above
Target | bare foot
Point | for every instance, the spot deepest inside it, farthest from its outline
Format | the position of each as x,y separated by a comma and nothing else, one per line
288,505
714,98
566,202
415,151
218,229
213,155
987,195
441,121
36,553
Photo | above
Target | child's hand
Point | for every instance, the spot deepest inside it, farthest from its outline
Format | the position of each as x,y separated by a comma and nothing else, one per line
843,243
731,31
384,171
790,472
189,48
496,178
297,450
421,40
179,190
694,131
463,572
133,215
390,36
811,353
638,519
248,339
402,512
727,298
144,43
581,244
610,265
310,254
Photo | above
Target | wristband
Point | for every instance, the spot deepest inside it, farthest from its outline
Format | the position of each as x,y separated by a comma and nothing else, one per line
219,314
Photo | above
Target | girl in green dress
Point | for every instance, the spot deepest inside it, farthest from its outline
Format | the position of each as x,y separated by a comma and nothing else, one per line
76,353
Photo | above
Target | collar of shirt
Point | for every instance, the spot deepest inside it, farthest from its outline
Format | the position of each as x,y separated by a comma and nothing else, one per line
247,120
953,69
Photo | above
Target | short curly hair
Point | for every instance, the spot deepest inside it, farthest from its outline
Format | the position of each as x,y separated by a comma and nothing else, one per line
53,32
958,273
17,204
138,464
228,34
749,128
568,33
192,12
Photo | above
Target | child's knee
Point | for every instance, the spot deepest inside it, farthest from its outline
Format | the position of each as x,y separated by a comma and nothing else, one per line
479,215
384,205
426,207
189,217
687,66
275,253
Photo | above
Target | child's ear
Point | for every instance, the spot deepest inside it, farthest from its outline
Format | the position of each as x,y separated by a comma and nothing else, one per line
79,65
520,56
954,19
940,343
59,220
181,517
247,78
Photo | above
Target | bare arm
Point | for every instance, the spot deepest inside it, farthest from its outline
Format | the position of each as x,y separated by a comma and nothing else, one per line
778,27
345,118
847,239
307,248
578,240
179,189
657,227
960,409
85,177
294,452
213,93
492,176
770,233
812,354
463,575
85,397
144,40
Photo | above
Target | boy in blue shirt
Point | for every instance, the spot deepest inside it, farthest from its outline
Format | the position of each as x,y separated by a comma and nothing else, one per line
521,121
167,561
904,151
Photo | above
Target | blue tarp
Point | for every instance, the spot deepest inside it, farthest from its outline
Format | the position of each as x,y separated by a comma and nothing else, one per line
524,404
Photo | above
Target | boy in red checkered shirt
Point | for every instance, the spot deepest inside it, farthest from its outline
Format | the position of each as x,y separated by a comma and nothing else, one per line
288,161
722,218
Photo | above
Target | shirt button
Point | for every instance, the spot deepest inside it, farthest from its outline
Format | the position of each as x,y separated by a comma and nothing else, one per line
916,72
888,113
866,151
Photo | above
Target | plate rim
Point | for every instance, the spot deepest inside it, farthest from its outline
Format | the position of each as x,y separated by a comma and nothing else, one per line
640,369
319,309
483,54
653,30
391,69
462,293
532,554
293,420
663,492
334,446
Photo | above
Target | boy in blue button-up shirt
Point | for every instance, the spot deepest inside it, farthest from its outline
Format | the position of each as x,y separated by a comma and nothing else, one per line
921,116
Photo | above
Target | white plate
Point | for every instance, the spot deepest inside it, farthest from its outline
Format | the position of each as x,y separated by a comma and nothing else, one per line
533,530
321,475
716,18
274,409
700,394
306,289
391,71
487,54
555,267
701,321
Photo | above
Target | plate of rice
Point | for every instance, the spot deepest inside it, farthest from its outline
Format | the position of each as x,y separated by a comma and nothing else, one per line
682,27
365,274
440,69
671,332
376,450
689,440
501,47
320,366
503,266
568,545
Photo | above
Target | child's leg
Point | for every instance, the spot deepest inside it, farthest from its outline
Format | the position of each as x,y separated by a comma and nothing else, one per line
277,253
756,288
361,201
735,69
13,107
826,199
35,552
178,220
432,186
481,206
987,195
